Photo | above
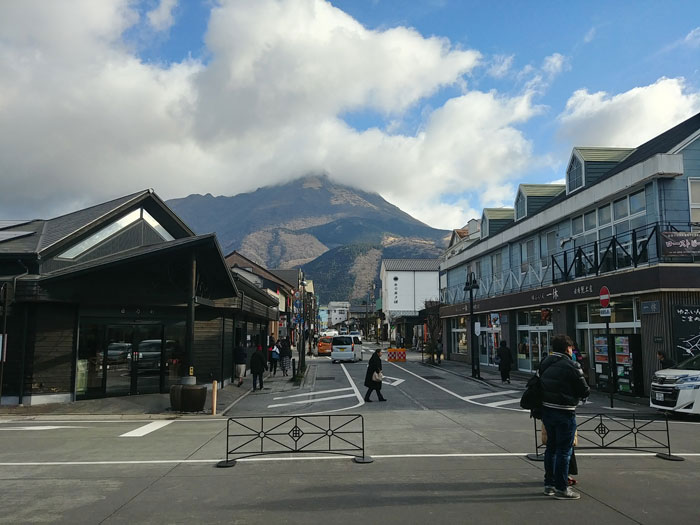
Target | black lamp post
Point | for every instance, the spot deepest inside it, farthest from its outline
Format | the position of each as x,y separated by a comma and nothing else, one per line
470,286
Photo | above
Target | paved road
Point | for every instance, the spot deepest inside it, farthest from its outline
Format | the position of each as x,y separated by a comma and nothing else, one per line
445,448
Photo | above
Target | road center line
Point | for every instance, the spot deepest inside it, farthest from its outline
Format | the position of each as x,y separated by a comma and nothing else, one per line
313,393
429,382
146,429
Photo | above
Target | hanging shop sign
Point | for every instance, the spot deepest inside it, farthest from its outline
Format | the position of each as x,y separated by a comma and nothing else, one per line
680,243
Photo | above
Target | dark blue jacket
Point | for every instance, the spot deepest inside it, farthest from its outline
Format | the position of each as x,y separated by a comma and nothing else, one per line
563,384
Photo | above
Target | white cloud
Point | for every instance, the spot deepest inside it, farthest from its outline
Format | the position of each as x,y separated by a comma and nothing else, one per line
500,65
627,119
692,39
555,64
84,120
161,18
590,35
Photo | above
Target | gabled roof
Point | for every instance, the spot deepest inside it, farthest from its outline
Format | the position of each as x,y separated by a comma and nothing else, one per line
411,265
290,276
205,244
53,233
236,259
603,154
541,190
499,213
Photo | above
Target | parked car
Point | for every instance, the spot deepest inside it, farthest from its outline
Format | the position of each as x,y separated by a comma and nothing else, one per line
343,349
324,346
343,330
329,332
677,388
356,333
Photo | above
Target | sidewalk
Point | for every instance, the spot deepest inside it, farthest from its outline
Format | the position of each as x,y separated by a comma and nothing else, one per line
150,406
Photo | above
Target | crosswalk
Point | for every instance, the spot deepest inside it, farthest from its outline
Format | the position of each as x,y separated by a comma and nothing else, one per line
486,399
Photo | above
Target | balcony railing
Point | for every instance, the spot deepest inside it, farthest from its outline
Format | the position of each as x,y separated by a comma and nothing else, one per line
630,249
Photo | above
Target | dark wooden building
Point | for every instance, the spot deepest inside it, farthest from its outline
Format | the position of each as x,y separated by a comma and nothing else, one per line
116,299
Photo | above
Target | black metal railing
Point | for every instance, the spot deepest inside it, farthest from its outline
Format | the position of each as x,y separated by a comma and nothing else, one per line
628,249
265,435
639,432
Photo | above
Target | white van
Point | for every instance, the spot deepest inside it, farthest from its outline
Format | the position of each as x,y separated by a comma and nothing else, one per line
344,349
677,388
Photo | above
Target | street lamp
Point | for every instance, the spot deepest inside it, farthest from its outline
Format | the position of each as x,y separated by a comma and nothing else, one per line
302,357
470,286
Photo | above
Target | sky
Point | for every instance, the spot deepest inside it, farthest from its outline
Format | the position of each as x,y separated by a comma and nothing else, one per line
443,107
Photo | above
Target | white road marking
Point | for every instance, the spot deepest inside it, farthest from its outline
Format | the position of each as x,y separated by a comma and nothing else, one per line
39,428
304,401
313,393
146,429
315,458
479,396
468,399
501,403
393,381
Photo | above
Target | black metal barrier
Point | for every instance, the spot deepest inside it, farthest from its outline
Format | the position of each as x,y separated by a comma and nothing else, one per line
330,434
639,432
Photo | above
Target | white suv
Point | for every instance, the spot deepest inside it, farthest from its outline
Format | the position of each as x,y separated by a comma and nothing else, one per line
677,388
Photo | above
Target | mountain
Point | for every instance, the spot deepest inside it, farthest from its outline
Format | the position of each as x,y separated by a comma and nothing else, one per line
336,233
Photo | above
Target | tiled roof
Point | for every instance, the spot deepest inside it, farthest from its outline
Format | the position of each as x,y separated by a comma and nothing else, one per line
603,154
411,265
462,233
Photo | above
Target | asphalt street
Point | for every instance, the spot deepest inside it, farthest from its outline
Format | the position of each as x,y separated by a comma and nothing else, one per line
444,447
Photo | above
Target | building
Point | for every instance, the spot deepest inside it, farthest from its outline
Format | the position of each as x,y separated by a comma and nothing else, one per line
116,299
406,285
279,289
338,312
627,219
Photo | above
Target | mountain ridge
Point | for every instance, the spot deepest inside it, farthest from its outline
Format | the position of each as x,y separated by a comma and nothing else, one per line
306,223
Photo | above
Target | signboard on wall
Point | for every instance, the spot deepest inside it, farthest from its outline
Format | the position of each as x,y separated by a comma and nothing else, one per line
686,331
680,243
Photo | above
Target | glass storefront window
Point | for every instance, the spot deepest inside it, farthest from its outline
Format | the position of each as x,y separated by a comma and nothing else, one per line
522,318
523,350
582,313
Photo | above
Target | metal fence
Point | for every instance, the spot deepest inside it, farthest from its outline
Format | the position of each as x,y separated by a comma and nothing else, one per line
266,435
638,432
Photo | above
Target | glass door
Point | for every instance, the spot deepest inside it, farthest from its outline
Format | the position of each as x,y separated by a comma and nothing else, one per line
539,348
118,350
134,359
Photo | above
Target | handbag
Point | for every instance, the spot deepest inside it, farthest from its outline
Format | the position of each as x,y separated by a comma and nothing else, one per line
377,377
532,397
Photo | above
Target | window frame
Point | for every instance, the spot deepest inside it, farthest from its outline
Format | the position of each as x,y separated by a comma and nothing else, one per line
569,170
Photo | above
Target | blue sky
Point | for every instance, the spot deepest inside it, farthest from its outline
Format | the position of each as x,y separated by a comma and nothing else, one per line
441,106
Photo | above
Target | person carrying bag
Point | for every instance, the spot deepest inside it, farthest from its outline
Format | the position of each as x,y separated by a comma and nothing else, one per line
374,376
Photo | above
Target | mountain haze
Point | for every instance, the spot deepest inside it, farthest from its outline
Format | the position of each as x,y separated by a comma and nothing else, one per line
336,233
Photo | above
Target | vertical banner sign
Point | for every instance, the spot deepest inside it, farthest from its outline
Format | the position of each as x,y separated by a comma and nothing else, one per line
686,332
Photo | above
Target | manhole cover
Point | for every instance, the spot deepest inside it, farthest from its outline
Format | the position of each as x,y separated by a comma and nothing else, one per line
433,377
325,378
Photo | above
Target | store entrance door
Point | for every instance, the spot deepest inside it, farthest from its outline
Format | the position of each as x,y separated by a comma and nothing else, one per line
539,347
134,359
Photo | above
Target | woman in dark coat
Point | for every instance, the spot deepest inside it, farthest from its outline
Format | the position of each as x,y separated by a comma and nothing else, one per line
374,365
505,362
258,365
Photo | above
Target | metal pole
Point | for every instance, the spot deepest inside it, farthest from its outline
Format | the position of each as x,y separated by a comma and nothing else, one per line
475,357
3,346
611,361
189,336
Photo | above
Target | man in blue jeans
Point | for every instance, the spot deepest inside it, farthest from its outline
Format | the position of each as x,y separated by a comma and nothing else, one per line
563,386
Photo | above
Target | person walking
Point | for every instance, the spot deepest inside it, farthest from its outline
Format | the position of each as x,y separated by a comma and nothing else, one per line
563,386
274,356
374,366
664,362
239,359
285,355
505,362
258,365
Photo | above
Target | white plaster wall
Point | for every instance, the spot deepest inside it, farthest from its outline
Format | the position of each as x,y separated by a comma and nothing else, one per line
427,288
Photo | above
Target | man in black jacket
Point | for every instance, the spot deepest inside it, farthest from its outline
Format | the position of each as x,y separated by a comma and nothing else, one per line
563,386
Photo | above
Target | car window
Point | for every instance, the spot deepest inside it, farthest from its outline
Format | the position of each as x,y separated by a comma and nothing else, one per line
356,340
342,340
689,364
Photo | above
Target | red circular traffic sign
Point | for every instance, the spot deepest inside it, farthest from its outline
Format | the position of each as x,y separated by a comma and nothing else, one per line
604,297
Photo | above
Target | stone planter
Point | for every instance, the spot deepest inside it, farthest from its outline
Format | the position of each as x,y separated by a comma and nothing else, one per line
188,398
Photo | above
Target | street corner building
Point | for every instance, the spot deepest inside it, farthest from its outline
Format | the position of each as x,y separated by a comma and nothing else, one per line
627,220
120,298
